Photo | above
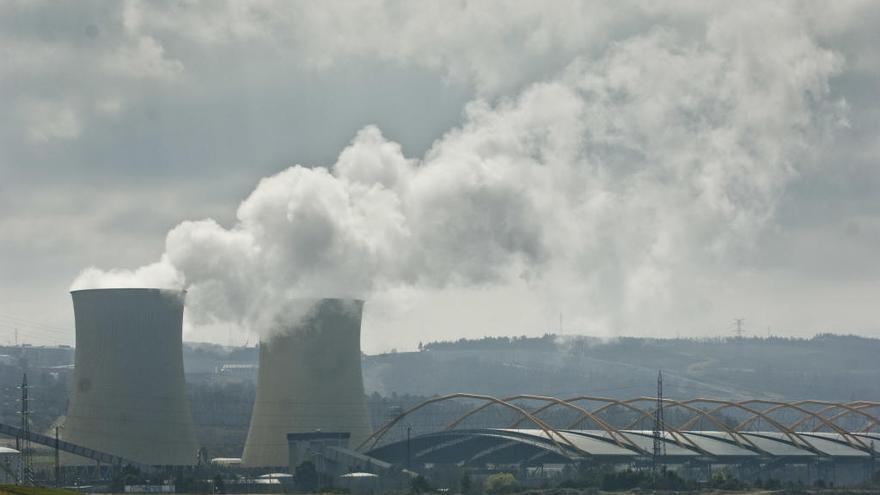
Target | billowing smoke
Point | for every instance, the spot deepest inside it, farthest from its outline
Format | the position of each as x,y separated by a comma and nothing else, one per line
624,182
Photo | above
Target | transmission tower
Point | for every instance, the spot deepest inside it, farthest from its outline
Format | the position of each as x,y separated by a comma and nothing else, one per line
659,427
27,473
739,327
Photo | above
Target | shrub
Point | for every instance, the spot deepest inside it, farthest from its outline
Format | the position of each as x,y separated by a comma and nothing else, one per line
726,481
501,483
466,485
419,484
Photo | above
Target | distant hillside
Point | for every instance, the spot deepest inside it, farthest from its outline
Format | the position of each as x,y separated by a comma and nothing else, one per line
826,367
838,367
221,380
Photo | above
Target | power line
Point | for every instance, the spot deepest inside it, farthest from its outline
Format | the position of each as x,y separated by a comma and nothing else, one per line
16,325
32,323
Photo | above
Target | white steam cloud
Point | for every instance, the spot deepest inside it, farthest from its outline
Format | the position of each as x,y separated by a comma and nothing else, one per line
621,181
161,274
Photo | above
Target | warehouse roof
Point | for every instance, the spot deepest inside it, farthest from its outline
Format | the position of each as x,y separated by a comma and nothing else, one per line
506,445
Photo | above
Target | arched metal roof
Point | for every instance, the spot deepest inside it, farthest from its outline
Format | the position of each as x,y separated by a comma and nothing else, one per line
515,446
819,428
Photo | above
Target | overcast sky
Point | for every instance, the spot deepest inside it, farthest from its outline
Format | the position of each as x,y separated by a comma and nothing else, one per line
489,168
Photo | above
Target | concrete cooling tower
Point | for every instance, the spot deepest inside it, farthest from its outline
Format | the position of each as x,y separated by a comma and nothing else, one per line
129,395
309,379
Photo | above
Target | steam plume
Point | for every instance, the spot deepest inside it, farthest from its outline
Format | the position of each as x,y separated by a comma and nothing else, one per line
628,181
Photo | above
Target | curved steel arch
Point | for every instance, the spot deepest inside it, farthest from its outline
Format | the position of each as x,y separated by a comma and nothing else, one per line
850,439
724,404
875,421
848,408
549,431
735,436
648,415
677,436
613,433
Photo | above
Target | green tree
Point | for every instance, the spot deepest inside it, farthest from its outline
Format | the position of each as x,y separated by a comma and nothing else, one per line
128,475
500,483
723,480
419,484
466,485
219,486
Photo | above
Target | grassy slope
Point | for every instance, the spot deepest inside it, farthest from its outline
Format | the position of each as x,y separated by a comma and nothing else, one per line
31,490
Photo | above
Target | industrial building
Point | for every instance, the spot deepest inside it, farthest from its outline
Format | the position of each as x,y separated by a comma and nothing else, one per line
10,466
128,405
309,379
694,454
811,445
129,396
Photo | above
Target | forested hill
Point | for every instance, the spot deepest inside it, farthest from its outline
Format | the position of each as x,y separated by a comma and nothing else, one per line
824,367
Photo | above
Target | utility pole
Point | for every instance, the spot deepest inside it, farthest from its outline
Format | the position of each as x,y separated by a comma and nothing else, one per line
57,461
659,428
408,431
27,474
872,462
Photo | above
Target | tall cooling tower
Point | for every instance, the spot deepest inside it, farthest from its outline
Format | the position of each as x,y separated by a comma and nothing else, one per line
129,395
310,379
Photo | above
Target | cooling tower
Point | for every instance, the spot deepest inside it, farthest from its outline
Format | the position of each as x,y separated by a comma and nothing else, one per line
129,395
309,379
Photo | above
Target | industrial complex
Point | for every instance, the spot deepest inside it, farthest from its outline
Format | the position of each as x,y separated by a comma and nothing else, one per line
811,447
129,409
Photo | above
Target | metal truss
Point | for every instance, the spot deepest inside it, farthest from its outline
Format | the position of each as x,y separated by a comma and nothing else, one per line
826,415
552,434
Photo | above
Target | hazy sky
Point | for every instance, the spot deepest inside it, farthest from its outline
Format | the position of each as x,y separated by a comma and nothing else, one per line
640,169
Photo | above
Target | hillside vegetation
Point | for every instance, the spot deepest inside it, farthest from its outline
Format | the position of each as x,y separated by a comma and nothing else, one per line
831,367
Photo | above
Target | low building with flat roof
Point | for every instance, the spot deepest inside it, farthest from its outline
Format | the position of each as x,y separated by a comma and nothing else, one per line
10,466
